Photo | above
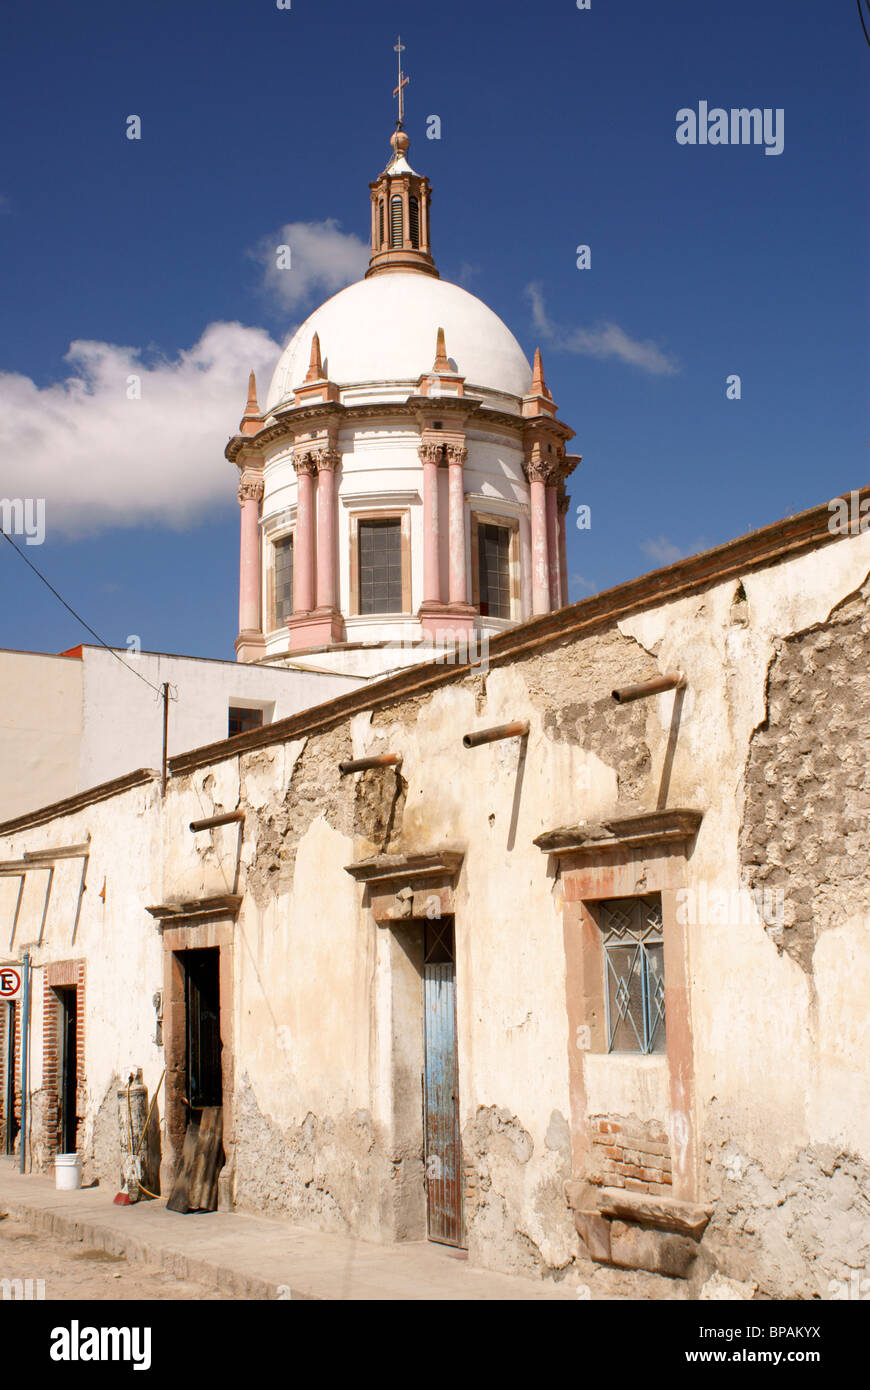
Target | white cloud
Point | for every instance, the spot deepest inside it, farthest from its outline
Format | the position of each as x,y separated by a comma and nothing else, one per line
662,551
606,340
100,459
322,257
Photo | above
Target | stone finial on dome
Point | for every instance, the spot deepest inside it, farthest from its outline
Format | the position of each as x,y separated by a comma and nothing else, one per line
250,420
539,400
442,361
315,366
316,388
443,379
539,385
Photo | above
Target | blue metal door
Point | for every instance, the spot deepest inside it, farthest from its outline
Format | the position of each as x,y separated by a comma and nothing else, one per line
441,1087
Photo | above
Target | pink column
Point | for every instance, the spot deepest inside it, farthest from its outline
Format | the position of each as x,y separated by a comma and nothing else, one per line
326,549
250,497
540,561
554,582
431,530
303,548
564,504
458,588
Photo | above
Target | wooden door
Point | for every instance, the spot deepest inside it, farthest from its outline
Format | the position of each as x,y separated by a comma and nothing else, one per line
441,1087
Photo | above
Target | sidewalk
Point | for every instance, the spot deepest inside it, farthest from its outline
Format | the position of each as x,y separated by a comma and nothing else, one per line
255,1256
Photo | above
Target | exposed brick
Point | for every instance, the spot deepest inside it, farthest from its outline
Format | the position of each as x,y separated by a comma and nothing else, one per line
631,1171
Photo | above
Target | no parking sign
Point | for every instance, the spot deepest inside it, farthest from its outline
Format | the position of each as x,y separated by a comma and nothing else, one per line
11,980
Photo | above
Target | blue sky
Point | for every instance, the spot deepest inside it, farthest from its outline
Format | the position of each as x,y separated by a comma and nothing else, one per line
558,128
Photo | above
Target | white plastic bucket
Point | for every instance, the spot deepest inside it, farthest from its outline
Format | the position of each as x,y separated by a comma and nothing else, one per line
67,1172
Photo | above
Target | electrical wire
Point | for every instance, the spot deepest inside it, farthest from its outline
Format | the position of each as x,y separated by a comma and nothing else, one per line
79,619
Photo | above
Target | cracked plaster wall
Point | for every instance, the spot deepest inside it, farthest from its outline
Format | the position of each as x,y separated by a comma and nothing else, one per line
776,1064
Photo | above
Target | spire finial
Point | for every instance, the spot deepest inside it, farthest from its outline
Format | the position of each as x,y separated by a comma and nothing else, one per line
539,385
442,363
252,408
403,82
315,366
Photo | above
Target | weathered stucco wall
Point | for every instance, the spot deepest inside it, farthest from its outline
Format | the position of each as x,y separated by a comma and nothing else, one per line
40,729
323,1000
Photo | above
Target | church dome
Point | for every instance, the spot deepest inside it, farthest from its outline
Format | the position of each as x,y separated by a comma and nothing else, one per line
383,330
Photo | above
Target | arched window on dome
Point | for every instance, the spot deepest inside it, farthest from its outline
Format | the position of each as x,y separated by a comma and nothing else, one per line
381,223
414,218
396,220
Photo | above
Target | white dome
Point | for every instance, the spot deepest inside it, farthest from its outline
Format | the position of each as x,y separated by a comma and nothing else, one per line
384,329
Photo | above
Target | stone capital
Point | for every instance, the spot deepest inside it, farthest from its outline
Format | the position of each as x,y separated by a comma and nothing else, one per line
251,490
456,454
326,460
539,470
431,453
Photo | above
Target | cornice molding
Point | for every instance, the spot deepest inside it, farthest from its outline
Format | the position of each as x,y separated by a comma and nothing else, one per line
385,870
613,836
289,424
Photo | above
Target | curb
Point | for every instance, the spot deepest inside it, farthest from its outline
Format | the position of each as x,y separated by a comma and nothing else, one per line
168,1258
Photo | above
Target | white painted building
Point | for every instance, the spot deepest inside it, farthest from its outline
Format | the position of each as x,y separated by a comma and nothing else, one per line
71,721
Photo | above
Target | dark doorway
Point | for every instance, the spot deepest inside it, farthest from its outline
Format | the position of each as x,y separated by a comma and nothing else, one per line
441,1086
11,1127
203,1028
68,1070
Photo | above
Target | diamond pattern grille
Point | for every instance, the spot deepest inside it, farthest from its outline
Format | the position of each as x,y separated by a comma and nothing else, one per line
634,974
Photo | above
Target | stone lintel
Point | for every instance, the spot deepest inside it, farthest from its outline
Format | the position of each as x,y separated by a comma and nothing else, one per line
650,828
404,887
170,914
384,870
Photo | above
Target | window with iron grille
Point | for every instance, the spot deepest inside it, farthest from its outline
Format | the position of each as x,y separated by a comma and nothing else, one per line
381,223
282,581
634,973
494,568
380,566
396,221
414,220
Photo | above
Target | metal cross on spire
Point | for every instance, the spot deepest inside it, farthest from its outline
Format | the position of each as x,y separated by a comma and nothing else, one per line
403,82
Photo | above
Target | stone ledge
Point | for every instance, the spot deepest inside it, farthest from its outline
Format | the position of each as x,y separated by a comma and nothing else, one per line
665,1213
387,869
633,1230
627,832
170,914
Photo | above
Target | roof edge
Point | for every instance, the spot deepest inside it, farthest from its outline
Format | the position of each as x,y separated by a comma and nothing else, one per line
756,550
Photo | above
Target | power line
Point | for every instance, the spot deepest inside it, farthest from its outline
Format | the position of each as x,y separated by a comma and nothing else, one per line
79,619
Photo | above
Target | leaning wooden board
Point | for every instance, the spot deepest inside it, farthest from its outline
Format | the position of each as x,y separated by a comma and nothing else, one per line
202,1158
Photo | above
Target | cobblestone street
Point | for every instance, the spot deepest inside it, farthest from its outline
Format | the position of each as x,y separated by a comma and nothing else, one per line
70,1271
